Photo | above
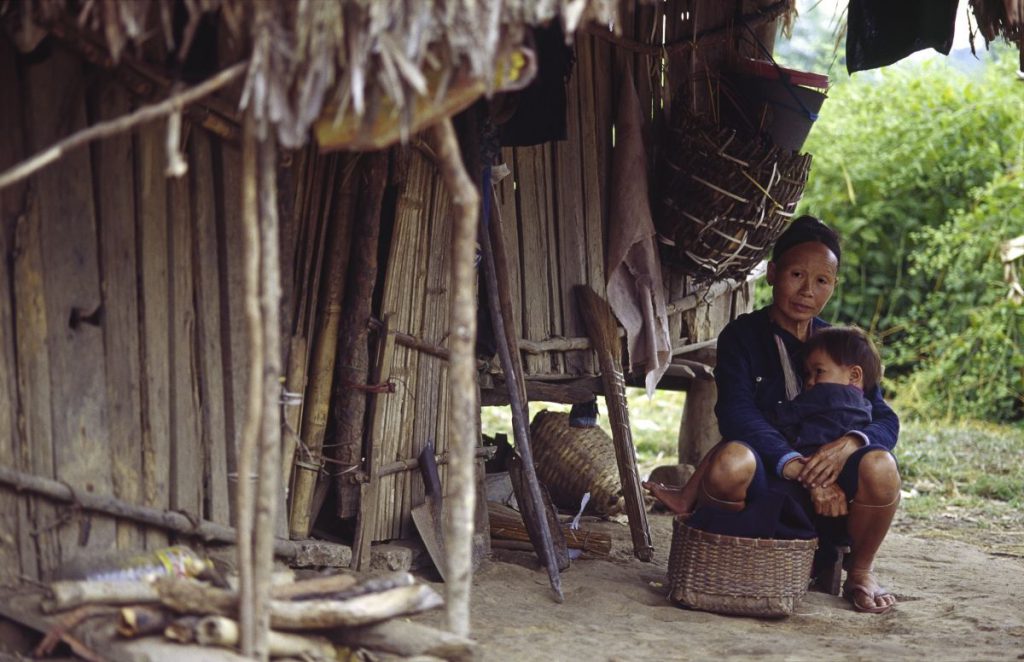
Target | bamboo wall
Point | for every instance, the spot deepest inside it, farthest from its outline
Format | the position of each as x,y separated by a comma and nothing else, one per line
122,350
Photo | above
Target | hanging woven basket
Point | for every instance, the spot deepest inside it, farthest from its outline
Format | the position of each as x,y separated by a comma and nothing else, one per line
725,198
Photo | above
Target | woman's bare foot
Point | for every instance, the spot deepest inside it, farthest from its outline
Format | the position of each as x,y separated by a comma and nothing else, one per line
677,499
865,593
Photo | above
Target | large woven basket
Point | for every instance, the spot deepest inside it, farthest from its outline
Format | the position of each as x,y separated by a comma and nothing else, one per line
573,461
732,575
724,198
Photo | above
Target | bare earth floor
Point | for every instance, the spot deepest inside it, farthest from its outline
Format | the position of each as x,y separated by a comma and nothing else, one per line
957,602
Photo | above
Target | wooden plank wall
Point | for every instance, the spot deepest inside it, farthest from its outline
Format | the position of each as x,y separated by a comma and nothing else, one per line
555,203
120,345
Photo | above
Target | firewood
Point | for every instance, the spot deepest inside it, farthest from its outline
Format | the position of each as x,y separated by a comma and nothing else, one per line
69,594
222,631
365,609
140,621
408,639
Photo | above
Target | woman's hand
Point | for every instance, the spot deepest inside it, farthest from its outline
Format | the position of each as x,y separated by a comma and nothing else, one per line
829,501
822,468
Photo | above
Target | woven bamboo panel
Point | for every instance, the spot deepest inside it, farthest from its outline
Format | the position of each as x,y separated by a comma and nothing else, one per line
573,461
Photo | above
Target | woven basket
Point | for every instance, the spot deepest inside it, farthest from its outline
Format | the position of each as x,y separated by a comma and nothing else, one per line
574,461
725,198
743,576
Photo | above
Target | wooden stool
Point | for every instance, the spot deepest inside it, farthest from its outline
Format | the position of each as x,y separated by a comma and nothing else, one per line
831,578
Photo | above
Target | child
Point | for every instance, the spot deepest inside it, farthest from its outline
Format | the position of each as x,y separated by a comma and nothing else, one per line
841,364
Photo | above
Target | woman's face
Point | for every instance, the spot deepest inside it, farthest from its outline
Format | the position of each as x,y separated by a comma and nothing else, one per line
802,281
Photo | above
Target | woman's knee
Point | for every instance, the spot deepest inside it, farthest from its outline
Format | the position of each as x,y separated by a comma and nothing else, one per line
734,463
878,477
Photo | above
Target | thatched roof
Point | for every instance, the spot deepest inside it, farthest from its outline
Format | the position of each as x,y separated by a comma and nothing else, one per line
345,57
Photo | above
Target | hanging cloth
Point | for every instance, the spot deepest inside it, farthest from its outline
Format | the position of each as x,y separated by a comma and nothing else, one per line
880,32
635,290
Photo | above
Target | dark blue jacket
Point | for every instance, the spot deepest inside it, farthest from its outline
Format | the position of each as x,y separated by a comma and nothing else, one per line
751,384
820,415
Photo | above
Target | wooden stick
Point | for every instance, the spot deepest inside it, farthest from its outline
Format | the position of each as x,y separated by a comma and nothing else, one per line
601,326
163,519
536,520
269,494
464,412
172,104
253,415
70,594
507,524
537,391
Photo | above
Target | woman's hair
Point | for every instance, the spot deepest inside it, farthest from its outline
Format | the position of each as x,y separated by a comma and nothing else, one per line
804,229
848,345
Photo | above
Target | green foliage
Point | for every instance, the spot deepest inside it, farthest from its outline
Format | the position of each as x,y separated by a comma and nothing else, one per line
900,151
945,461
962,340
920,169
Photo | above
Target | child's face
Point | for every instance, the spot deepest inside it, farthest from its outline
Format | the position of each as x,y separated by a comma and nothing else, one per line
821,369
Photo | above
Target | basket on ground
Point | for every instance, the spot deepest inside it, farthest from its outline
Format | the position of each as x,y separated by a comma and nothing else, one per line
733,575
573,461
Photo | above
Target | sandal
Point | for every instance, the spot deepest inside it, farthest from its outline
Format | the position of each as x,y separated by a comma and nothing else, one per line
851,591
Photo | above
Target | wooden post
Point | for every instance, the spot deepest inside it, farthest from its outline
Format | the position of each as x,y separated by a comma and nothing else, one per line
269,495
353,357
461,377
698,430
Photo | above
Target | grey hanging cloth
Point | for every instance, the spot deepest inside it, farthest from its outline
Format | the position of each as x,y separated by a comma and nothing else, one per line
880,32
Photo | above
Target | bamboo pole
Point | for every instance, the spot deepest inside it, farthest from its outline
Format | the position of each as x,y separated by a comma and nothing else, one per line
251,428
464,412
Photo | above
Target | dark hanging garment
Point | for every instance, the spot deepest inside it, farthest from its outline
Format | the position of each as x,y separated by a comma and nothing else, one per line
880,32
539,114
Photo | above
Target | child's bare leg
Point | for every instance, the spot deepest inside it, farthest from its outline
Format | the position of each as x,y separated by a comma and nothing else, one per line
871,513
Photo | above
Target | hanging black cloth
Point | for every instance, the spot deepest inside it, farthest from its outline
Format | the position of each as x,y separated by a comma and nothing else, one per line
880,32
539,114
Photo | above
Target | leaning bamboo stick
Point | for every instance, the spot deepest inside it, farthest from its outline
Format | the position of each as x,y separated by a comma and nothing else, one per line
461,377
601,325
520,426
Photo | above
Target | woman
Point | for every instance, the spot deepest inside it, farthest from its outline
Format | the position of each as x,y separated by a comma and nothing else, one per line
854,477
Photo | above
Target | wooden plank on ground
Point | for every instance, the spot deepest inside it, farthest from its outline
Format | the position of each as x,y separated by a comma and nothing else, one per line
68,240
115,205
214,431
151,219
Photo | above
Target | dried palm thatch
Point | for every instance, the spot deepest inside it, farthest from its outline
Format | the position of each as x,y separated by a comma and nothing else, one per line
1000,17
349,56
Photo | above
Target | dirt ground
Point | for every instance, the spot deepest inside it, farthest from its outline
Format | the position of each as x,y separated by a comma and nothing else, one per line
958,601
